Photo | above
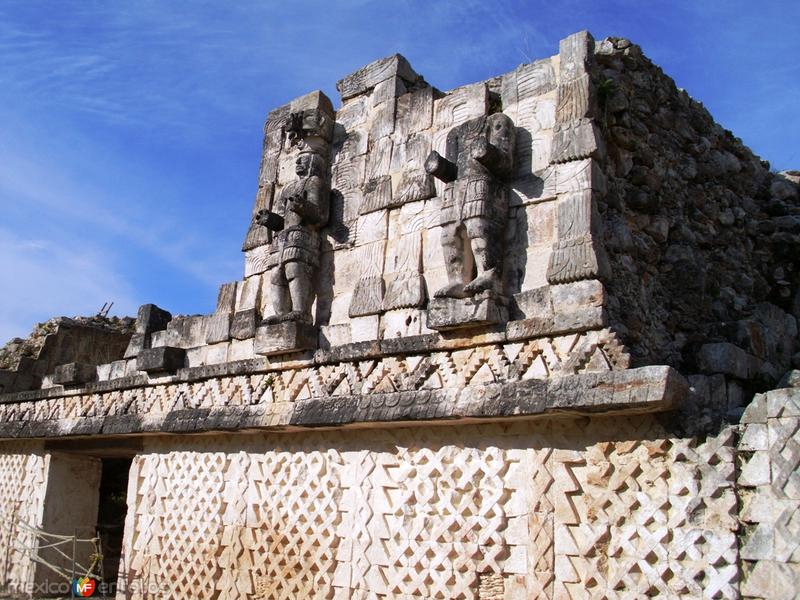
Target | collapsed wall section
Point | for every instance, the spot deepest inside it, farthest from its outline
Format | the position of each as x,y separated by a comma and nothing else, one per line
702,237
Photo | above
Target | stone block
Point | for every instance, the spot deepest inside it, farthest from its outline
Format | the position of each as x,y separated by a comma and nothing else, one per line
218,328
217,353
762,504
755,437
226,299
158,360
782,403
725,358
151,318
574,259
247,293
455,313
74,374
363,329
282,338
756,411
575,54
575,141
244,323
367,77
414,111
402,322
196,357
526,82
257,260
138,342
579,319
158,338
241,349
186,332
460,105
756,471
334,335
773,580
103,372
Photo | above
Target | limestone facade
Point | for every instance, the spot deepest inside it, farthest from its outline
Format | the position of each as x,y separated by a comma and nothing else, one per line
516,340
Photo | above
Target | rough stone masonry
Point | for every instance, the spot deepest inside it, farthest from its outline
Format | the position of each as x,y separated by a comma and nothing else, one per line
534,337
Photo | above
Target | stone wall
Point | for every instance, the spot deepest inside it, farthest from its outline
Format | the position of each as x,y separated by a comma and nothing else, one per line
423,376
23,480
612,508
83,342
702,238
769,495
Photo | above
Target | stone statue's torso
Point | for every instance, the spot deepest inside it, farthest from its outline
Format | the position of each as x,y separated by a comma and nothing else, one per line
298,240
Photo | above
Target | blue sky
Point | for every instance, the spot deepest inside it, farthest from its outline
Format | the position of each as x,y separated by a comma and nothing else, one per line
130,132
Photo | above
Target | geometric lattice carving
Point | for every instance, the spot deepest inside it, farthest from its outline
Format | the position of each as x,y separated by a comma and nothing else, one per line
645,516
601,507
384,514
23,469
769,495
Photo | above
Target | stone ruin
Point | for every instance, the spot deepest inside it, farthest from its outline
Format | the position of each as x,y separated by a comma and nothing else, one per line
529,338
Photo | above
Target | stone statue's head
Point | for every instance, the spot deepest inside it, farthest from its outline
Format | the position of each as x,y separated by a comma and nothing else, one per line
309,164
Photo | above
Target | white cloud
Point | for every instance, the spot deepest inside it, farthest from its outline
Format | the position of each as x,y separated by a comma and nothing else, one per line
43,277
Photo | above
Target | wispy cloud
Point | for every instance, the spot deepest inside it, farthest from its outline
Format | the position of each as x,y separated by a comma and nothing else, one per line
130,132
42,278
48,188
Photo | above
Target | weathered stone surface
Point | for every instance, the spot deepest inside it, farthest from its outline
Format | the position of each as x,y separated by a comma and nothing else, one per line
218,328
244,324
366,78
725,358
769,496
74,374
538,180
151,318
281,338
138,342
226,299
454,313
163,359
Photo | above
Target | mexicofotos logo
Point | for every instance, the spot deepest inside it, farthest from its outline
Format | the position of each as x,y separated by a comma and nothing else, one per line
84,586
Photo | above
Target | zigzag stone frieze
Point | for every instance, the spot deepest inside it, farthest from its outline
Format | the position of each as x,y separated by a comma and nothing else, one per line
575,372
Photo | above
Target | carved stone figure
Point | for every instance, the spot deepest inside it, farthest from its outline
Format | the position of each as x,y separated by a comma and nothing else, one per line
304,207
475,205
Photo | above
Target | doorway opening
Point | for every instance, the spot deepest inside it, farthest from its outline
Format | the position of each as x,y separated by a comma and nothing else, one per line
111,511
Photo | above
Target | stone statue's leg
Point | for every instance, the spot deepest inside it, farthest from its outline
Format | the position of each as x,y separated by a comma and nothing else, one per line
299,276
453,238
279,288
484,243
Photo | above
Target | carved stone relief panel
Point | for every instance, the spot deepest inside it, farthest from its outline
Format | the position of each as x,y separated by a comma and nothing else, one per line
299,211
479,157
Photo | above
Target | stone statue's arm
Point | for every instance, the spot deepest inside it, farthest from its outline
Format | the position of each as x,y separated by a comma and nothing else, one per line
313,203
271,220
495,149
441,168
